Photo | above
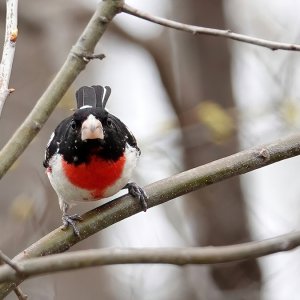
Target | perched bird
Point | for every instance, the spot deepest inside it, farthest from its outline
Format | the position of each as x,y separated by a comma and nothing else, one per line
91,155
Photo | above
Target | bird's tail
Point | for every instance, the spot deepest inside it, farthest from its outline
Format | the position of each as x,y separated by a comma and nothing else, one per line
95,96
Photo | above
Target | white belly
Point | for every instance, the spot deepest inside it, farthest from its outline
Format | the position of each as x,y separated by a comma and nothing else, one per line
70,194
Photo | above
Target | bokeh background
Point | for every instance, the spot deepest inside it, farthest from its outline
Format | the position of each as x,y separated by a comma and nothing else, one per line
189,100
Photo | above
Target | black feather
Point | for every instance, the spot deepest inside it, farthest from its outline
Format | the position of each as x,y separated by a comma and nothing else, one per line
86,96
95,96
99,90
107,94
79,97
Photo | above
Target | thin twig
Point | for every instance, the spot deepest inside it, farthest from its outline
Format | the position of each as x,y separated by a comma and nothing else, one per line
11,34
94,56
210,31
73,65
176,256
19,293
159,192
9,262
15,268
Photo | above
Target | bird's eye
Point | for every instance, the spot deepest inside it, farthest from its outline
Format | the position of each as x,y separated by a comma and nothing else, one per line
109,122
73,124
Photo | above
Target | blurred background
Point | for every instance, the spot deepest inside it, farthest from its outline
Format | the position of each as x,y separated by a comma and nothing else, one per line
189,100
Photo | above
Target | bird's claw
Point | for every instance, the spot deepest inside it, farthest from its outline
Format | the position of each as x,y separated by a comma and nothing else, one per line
69,220
137,192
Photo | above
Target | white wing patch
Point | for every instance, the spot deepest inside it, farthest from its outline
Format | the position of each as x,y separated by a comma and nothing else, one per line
48,144
85,106
51,138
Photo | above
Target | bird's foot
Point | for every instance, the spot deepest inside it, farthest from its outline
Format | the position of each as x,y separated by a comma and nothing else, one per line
69,220
137,192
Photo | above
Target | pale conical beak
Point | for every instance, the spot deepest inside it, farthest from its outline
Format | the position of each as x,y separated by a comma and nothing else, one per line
91,129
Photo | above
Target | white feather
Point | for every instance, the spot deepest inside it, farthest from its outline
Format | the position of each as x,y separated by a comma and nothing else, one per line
85,106
132,156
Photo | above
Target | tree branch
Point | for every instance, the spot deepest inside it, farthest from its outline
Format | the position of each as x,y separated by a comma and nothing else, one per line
210,31
176,256
160,192
8,261
11,34
17,270
73,65
19,293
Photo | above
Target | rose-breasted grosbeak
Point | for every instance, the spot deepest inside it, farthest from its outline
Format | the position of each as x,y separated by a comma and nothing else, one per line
91,154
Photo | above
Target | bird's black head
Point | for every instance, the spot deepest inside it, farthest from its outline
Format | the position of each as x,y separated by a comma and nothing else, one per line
91,130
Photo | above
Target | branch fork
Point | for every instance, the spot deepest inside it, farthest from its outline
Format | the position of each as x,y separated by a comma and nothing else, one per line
159,192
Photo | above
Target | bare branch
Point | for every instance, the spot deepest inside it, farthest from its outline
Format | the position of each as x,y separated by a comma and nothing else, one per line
20,294
177,256
16,270
94,56
8,261
11,34
73,65
210,31
160,192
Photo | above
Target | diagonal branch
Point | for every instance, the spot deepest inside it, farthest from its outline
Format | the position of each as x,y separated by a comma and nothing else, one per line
160,192
19,293
11,34
73,65
16,270
210,31
176,256
8,261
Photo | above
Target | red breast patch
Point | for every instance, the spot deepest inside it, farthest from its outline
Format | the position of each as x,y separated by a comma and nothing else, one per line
95,176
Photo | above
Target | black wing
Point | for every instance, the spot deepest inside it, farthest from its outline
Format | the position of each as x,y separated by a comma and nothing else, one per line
56,138
130,139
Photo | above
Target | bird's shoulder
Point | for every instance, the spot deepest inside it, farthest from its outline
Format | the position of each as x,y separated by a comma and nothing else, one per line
127,134
55,139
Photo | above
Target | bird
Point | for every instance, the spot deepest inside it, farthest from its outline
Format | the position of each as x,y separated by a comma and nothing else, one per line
91,155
